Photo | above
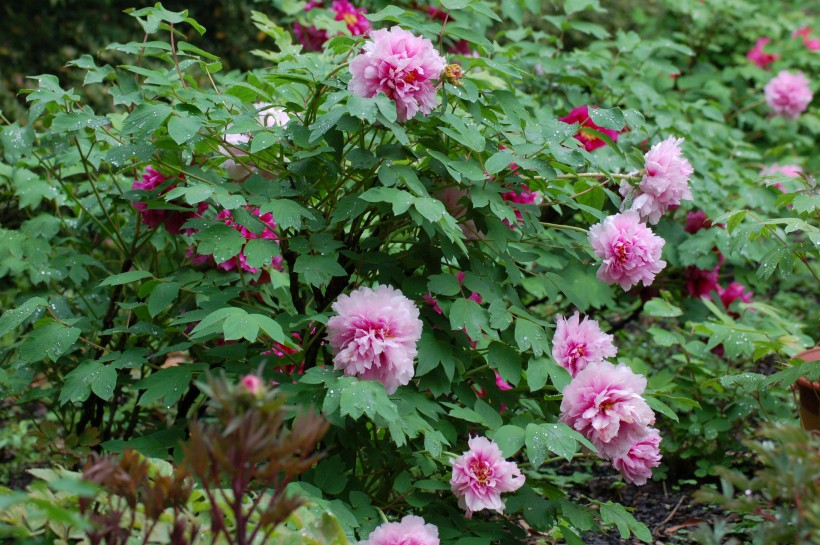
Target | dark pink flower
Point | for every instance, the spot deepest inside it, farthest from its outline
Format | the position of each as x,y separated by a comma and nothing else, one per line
172,220
411,530
580,115
578,343
481,475
700,283
758,56
374,335
353,17
734,292
400,65
502,384
695,221
630,251
813,44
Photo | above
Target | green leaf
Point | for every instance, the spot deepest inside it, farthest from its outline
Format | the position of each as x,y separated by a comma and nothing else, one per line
615,513
432,209
271,328
14,317
661,407
506,361
663,309
259,252
558,438
240,326
612,118
288,214
363,108
162,296
443,284
510,439
498,162
467,314
221,241
49,340
145,119
183,128
531,335
489,416
125,278
317,270
168,384
366,397
87,377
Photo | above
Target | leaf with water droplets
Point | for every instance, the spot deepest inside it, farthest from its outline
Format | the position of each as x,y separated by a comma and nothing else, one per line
49,340
14,317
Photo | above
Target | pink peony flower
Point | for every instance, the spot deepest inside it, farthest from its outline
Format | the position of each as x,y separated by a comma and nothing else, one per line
700,283
580,115
695,221
410,531
577,343
758,57
733,292
602,399
640,455
665,184
502,384
252,384
788,95
631,252
813,44
791,171
353,17
172,220
400,65
481,475
374,335
269,116
268,232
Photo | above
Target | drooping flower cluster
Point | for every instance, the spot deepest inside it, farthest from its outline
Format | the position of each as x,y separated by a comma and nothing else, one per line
578,343
604,403
313,38
760,57
591,142
269,116
172,220
788,95
411,530
481,475
630,251
374,335
665,183
790,171
400,65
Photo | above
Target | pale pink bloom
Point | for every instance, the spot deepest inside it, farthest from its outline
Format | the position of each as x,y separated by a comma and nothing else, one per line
172,220
758,56
630,251
353,17
252,384
603,398
636,455
269,116
790,171
578,343
665,184
411,530
788,94
400,65
481,475
580,115
374,335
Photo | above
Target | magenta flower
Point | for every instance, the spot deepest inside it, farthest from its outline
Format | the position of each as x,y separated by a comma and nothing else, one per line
635,462
733,292
268,232
665,183
700,283
481,475
812,44
580,115
788,95
172,220
695,221
411,530
758,56
790,171
374,335
500,383
252,384
631,252
353,17
269,116
577,343
400,65
602,399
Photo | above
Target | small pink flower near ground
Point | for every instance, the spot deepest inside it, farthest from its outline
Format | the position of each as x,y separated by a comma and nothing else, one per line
604,398
630,251
790,171
353,17
400,65
580,115
374,335
758,56
411,530
269,116
665,183
252,383
578,343
481,475
788,95
639,457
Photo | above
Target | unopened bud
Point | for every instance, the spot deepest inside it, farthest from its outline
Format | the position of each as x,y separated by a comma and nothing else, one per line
252,384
